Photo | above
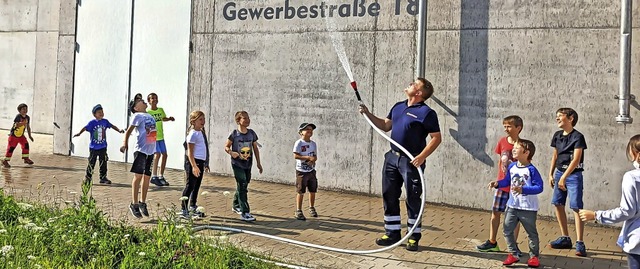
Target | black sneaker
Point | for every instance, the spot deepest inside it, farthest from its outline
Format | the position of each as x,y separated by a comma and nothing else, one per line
386,240
313,212
156,181
163,181
143,208
563,242
135,210
105,181
299,215
487,246
412,245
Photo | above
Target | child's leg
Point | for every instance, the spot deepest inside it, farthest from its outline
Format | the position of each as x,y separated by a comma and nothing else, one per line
163,163
562,220
301,186
93,155
24,144
500,199
495,224
579,225
146,178
11,146
135,187
242,184
102,155
299,198
313,188
156,158
528,220
312,199
633,260
559,199
189,186
508,227
575,190
193,198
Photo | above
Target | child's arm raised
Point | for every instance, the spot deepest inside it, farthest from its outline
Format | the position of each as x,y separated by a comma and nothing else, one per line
125,143
256,152
81,131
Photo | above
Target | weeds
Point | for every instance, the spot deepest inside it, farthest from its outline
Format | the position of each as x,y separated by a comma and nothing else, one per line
82,236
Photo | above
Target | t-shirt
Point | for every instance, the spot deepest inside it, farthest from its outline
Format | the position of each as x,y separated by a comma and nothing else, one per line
199,147
18,131
98,131
566,144
305,148
531,182
158,115
146,128
243,144
504,149
411,125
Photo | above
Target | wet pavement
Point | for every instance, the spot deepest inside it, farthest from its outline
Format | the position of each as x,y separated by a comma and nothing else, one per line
346,220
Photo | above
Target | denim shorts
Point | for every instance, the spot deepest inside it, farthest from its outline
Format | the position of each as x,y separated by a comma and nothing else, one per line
574,185
161,147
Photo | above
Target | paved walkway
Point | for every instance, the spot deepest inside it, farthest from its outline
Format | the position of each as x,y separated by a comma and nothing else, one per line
345,221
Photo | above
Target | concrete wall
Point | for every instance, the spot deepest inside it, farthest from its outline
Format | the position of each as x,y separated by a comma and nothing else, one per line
29,33
487,60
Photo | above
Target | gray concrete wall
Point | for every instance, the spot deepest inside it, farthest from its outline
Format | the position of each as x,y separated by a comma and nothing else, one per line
29,32
487,60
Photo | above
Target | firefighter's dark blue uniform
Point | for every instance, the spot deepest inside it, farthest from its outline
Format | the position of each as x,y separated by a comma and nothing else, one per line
410,127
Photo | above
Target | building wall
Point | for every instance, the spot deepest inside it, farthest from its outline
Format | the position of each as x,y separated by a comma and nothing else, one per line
29,33
487,60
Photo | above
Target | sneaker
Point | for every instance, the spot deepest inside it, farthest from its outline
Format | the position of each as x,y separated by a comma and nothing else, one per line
5,164
247,217
487,246
143,208
135,211
105,181
313,212
563,242
533,262
28,161
412,245
386,240
194,211
163,181
510,260
156,181
185,214
299,215
236,210
581,250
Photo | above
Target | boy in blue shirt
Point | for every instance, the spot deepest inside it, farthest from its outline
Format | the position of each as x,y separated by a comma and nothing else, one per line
98,145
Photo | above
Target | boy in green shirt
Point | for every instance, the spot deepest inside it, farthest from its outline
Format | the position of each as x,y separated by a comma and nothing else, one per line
161,149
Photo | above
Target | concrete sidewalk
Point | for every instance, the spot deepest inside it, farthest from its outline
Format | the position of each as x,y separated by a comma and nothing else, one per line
346,220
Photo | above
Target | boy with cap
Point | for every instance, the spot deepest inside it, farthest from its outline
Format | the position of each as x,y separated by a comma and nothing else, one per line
98,143
305,152
145,147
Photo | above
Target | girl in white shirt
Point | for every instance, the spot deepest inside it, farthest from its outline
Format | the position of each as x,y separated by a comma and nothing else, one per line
196,163
629,238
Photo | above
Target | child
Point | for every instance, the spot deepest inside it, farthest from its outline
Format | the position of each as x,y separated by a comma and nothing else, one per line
16,136
525,182
98,145
512,126
242,145
196,163
628,211
305,152
145,126
565,177
161,149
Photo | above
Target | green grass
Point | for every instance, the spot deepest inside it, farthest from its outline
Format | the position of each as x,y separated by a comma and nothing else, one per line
81,236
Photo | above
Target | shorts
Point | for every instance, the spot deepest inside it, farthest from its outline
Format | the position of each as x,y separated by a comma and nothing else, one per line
306,180
141,163
161,147
500,199
574,185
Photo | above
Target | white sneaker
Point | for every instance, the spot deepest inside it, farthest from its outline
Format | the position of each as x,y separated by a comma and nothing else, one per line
247,217
236,210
